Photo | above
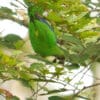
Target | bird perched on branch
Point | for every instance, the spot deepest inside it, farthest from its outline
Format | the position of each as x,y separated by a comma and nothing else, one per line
42,36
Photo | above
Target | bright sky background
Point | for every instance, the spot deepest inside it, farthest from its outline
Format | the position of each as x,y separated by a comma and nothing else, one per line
8,26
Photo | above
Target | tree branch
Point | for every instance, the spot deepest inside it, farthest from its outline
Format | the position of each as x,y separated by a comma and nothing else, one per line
87,87
4,16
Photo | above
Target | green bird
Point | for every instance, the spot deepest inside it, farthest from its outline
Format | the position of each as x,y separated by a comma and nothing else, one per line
42,36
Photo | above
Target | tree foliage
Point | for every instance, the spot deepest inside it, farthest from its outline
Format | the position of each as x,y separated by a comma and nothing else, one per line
77,33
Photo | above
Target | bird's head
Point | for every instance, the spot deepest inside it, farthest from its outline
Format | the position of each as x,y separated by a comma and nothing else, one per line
33,8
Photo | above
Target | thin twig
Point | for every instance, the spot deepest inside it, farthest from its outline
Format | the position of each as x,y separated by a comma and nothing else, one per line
21,22
87,87
79,96
41,88
84,73
35,93
37,90
21,3
77,75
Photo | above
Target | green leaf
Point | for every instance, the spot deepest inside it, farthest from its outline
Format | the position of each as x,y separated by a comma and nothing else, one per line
38,57
72,39
18,44
73,17
72,66
25,75
93,50
54,91
12,41
78,59
55,98
78,25
29,99
69,97
74,58
58,69
89,26
7,10
88,34
76,48
68,79
84,57
37,66
14,98
65,97
98,20
53,16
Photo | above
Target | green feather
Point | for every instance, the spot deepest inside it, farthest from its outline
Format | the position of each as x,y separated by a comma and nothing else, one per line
42,37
